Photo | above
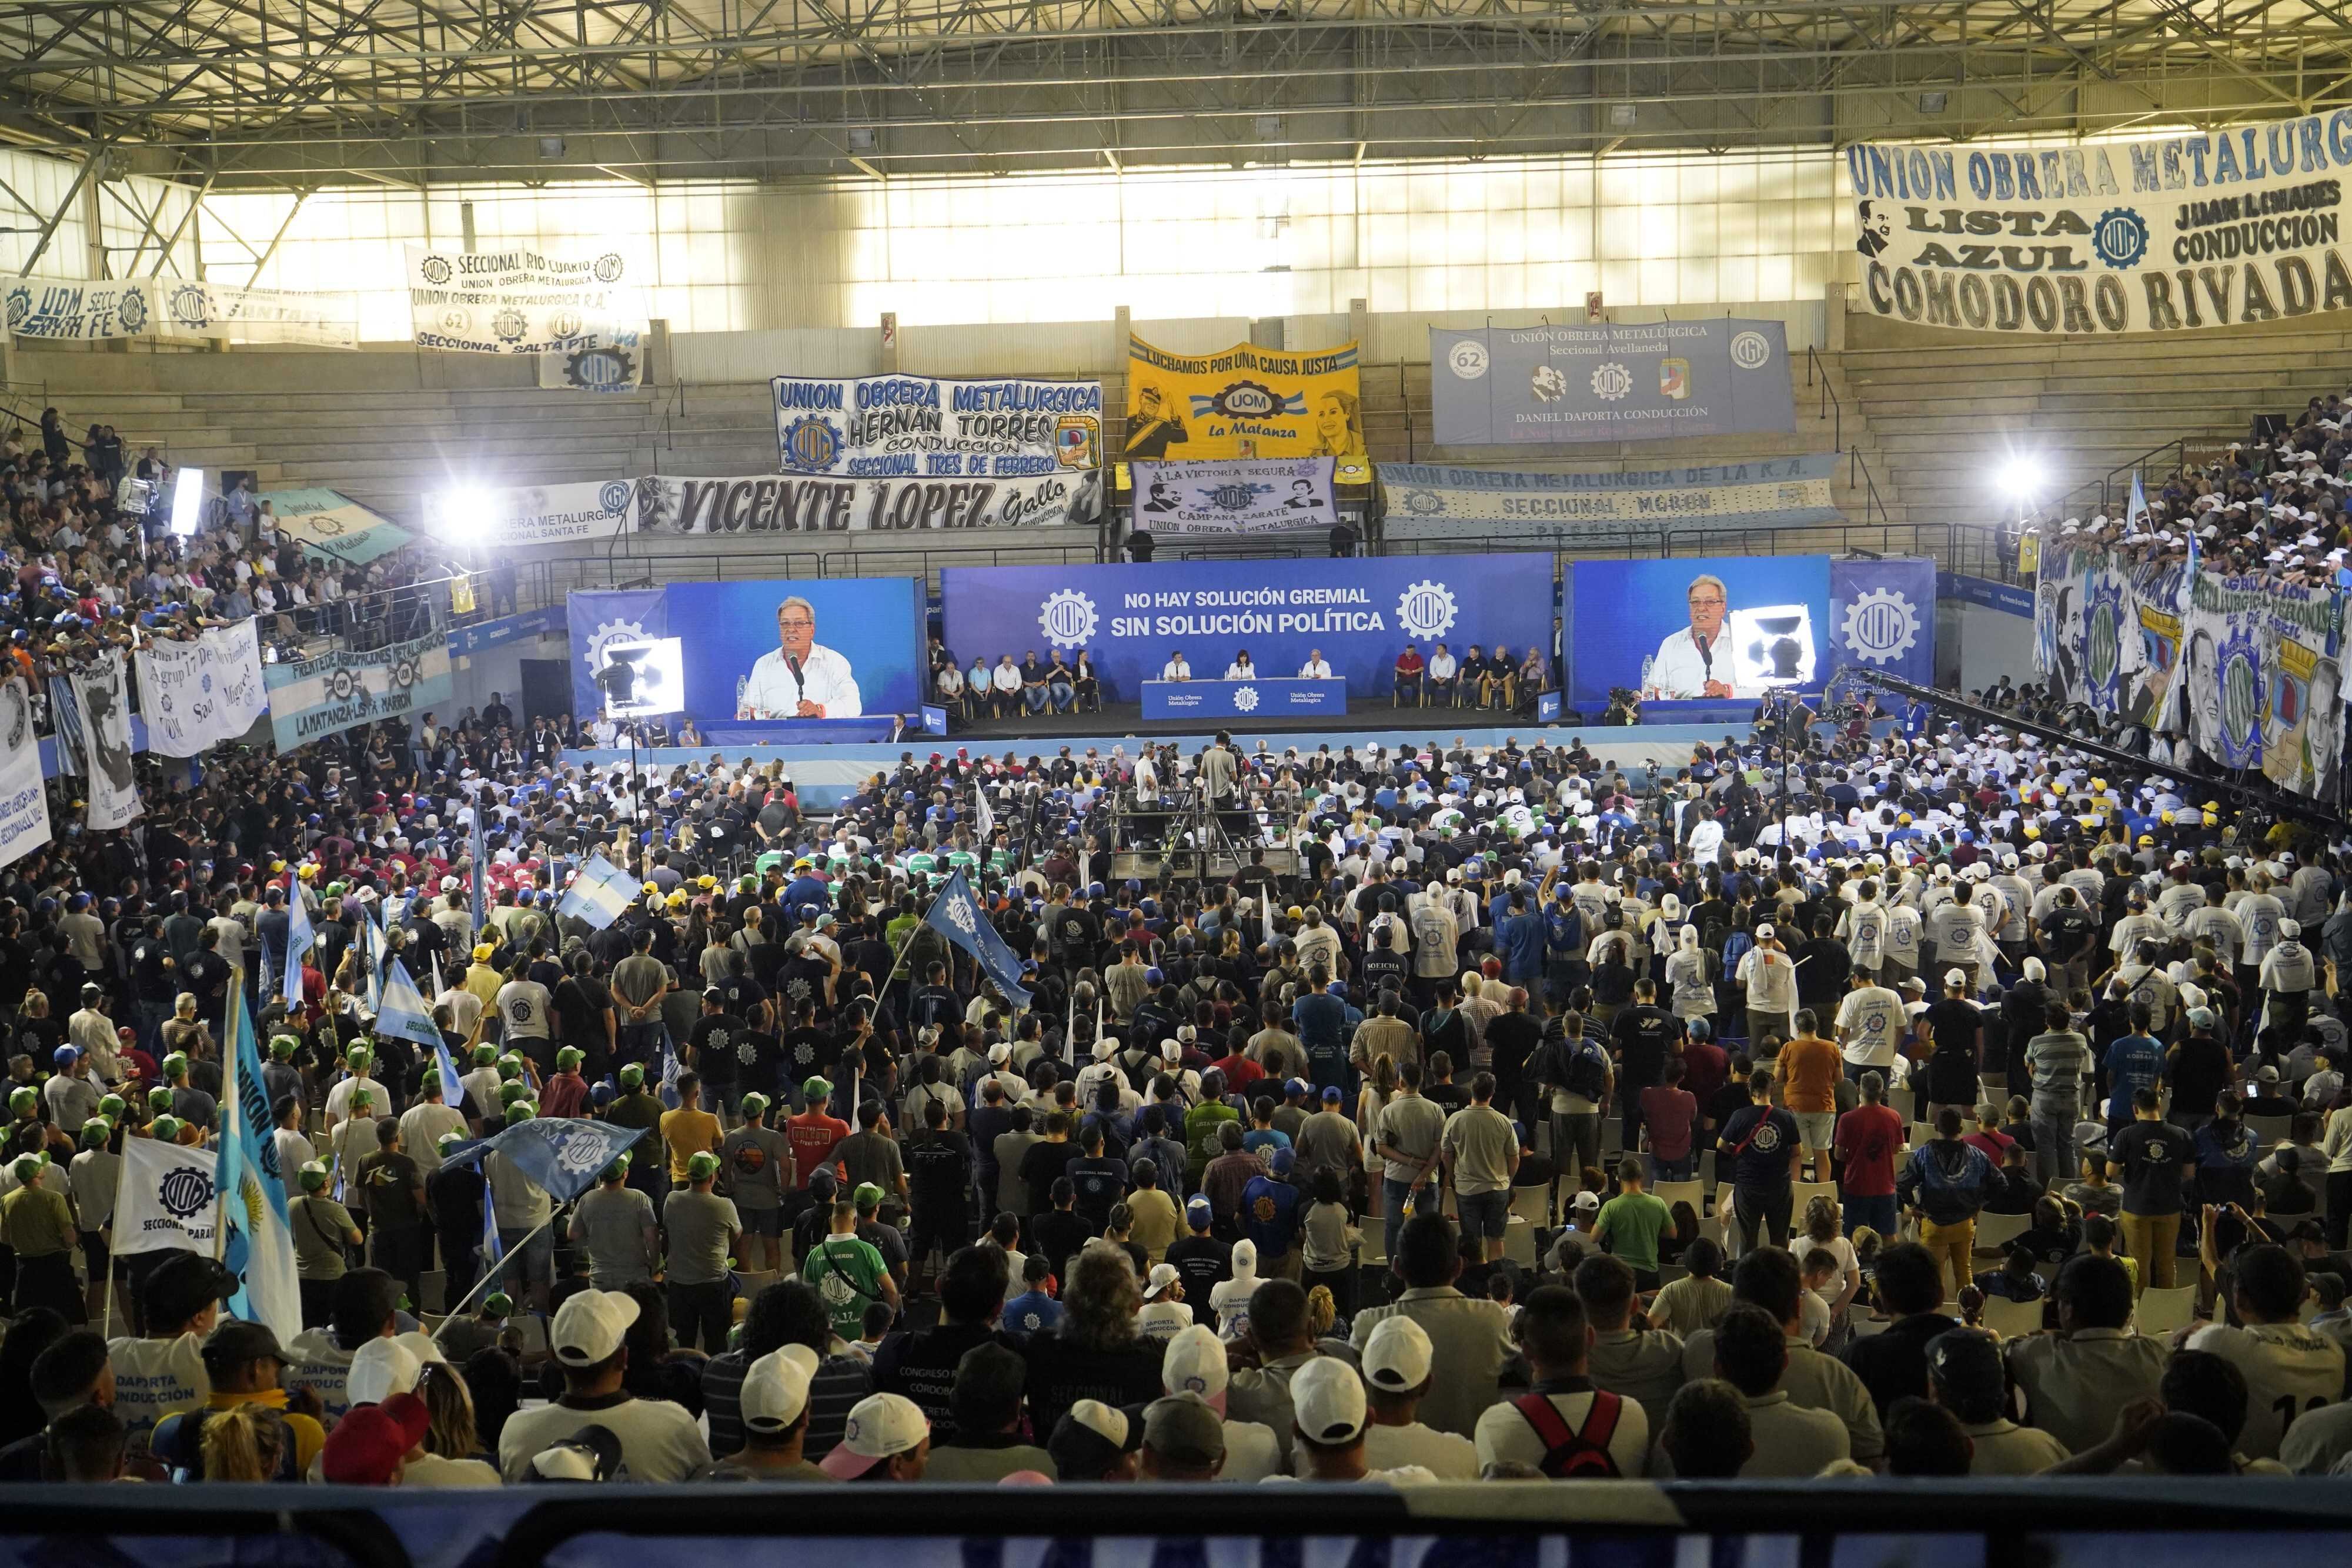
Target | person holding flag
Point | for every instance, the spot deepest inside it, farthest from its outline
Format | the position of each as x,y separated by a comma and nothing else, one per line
254,1237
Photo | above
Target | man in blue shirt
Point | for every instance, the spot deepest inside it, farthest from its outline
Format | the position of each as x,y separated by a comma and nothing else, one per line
1323,1027
1564,946
1519,937
2135,1062
1270,1218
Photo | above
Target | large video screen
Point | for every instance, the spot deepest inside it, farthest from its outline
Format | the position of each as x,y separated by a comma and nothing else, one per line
778,650
1695,628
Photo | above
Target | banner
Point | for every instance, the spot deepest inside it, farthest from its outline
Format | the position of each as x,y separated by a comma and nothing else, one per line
24,800
195,694
1247,496
519,301
1247,402
1499,385
2219,228
1883,617
114,793
165,1200
2263,680
1435,501
61,311
1356,613
2107,629
791,504
771,649
956,915
608,361
527,514
328,319
335,691
1698,628
907,426
332,525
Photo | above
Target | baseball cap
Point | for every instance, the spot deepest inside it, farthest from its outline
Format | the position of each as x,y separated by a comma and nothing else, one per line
1397,1355
1182,1429
1331,1095
590,1454
775,1389
816,1089
1965,1358
2290,929
1588,1202
1956,977
2266,1075
234,1342
367,1445
867,1196
589,1326
1162,1275
702,1165
1194,1363
881,1427
1329,1400
1199,1209
1296,1086
1089,1438
380,1369
2200,1017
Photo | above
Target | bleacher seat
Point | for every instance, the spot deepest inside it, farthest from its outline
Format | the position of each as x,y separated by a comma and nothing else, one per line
2162,1310
1996,1231
2009,1319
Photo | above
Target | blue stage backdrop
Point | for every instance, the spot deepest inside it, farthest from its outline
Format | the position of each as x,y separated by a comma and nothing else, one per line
1629,624
875,624
1359,612
1883,617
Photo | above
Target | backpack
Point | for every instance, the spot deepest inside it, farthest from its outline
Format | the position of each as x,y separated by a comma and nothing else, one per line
1735,948
1579,1455
1581,1067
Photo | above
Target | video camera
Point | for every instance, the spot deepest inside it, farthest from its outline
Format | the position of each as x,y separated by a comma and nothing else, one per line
1624,706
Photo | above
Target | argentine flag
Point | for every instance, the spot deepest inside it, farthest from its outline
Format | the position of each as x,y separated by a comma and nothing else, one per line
260,1242
600,894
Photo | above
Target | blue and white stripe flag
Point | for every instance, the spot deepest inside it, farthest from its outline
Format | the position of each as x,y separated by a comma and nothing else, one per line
480,854
403,1014
299,939
259,1240
600,894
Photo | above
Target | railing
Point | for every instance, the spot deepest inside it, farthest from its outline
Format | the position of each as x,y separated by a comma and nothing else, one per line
2106,483
1831,408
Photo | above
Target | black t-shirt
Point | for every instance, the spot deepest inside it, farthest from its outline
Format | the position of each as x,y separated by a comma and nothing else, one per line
723,1048
2151,1154
1644,1035
1203,1263
1101,1181
1041,1166
921,1365
1762,1135
1952,1070
2197,1074
938,1171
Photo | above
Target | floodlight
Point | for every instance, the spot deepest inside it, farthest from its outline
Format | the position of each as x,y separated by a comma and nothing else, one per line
188,502
2022,477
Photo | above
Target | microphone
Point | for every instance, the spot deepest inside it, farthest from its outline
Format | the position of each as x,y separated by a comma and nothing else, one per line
791,662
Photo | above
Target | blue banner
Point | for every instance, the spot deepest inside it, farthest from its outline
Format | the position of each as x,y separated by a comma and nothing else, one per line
956,915
563,1154
1883,617
1440,501
1504,385
1358,614
1691,628
1242,699
771,650
403,1014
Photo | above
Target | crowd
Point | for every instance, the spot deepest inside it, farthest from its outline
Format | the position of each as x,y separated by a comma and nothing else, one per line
1691,1129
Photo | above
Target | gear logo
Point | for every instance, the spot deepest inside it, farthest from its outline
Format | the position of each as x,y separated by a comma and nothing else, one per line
20,305
608,267
2243,699
1881,626
607,634
1751,350
1245,699
600,369
1426,609
436,269
186,1191
1611,381
961,911
812,445
1068,618
186,306
1425,503
1466,359
132,309
2120,239
614,495
510,325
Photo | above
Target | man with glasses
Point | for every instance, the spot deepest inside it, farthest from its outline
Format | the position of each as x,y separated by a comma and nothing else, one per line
801,679
1695,662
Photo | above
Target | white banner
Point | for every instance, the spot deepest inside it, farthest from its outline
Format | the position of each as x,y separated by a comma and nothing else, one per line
113,791
905,427
65,310
24,802
611,361
529,514
769,504
197,693
165,1201
519,301
335,691
2217,228
1244,495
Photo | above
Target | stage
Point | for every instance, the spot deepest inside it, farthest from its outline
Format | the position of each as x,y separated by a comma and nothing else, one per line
1127,718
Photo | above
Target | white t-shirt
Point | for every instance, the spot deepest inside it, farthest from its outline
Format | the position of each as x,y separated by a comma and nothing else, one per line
154,1378
522,1008
1505,1436
2290,1371
1875,1014
659,1441
774,692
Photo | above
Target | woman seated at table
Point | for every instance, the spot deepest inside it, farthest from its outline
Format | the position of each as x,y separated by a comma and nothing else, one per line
1085,691
1240,669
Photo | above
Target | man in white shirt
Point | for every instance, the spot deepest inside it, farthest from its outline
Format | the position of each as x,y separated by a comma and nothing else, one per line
1870,1021
1444,690
802,678
2290,1370
1695,660
1555,1339
1005,681
659,1441
1176,669
1316,668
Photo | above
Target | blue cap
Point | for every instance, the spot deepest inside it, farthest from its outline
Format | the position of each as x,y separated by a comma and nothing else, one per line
1331,1095
1296,1086
1285,1158
66,1055
1199,1205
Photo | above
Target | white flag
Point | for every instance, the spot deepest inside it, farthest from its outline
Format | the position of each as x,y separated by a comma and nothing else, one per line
167,1199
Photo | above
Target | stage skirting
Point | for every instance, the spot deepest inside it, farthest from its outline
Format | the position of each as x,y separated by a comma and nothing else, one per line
1243,700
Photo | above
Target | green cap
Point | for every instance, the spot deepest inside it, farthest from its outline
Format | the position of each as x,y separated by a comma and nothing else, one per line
567,1059
357,1056
509,1092
702,1166
28,1169
428,1081
817,1088
448,1141
30,1098
619,1169
313,1176
158,1099
510,1070
283,1045
867,1196
175,1064
95,1131
521,1111
363,1095
498,1304
632,1076
485,1054
112,1107
165,1129
755,1104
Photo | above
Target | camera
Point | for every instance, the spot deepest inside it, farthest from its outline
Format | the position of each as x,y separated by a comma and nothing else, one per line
1624,706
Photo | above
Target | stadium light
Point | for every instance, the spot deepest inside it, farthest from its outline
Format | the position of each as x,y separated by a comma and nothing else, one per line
2020,477
188,502
468,516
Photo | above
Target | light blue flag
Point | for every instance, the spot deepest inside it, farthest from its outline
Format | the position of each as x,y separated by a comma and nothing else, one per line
956,915
453,1088
259,1241
492,1249
371,952
600,894
2138,512
299,939
480,854
403,1014
563,1154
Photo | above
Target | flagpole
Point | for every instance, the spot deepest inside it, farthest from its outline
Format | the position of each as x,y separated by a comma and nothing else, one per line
231,1103
490,1274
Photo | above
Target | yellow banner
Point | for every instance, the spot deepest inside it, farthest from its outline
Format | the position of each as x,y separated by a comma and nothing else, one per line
1247,402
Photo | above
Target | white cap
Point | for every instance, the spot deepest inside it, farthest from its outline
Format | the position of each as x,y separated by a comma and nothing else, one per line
1103,1049
1764,932
775,1390
1170,1051
1397,1356
1001,1052
589,1326
1195,1364
423,1346
2033,969
380,1369
1955,977
880,1425
1162,1276
1327,1399
1586,1202
1245,1259
2290,929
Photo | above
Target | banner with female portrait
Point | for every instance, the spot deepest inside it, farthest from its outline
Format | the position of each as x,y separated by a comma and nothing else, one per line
1247,402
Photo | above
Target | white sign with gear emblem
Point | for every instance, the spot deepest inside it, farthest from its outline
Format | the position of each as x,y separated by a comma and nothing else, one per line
336,691
196,693
521,301
911,427
527,514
